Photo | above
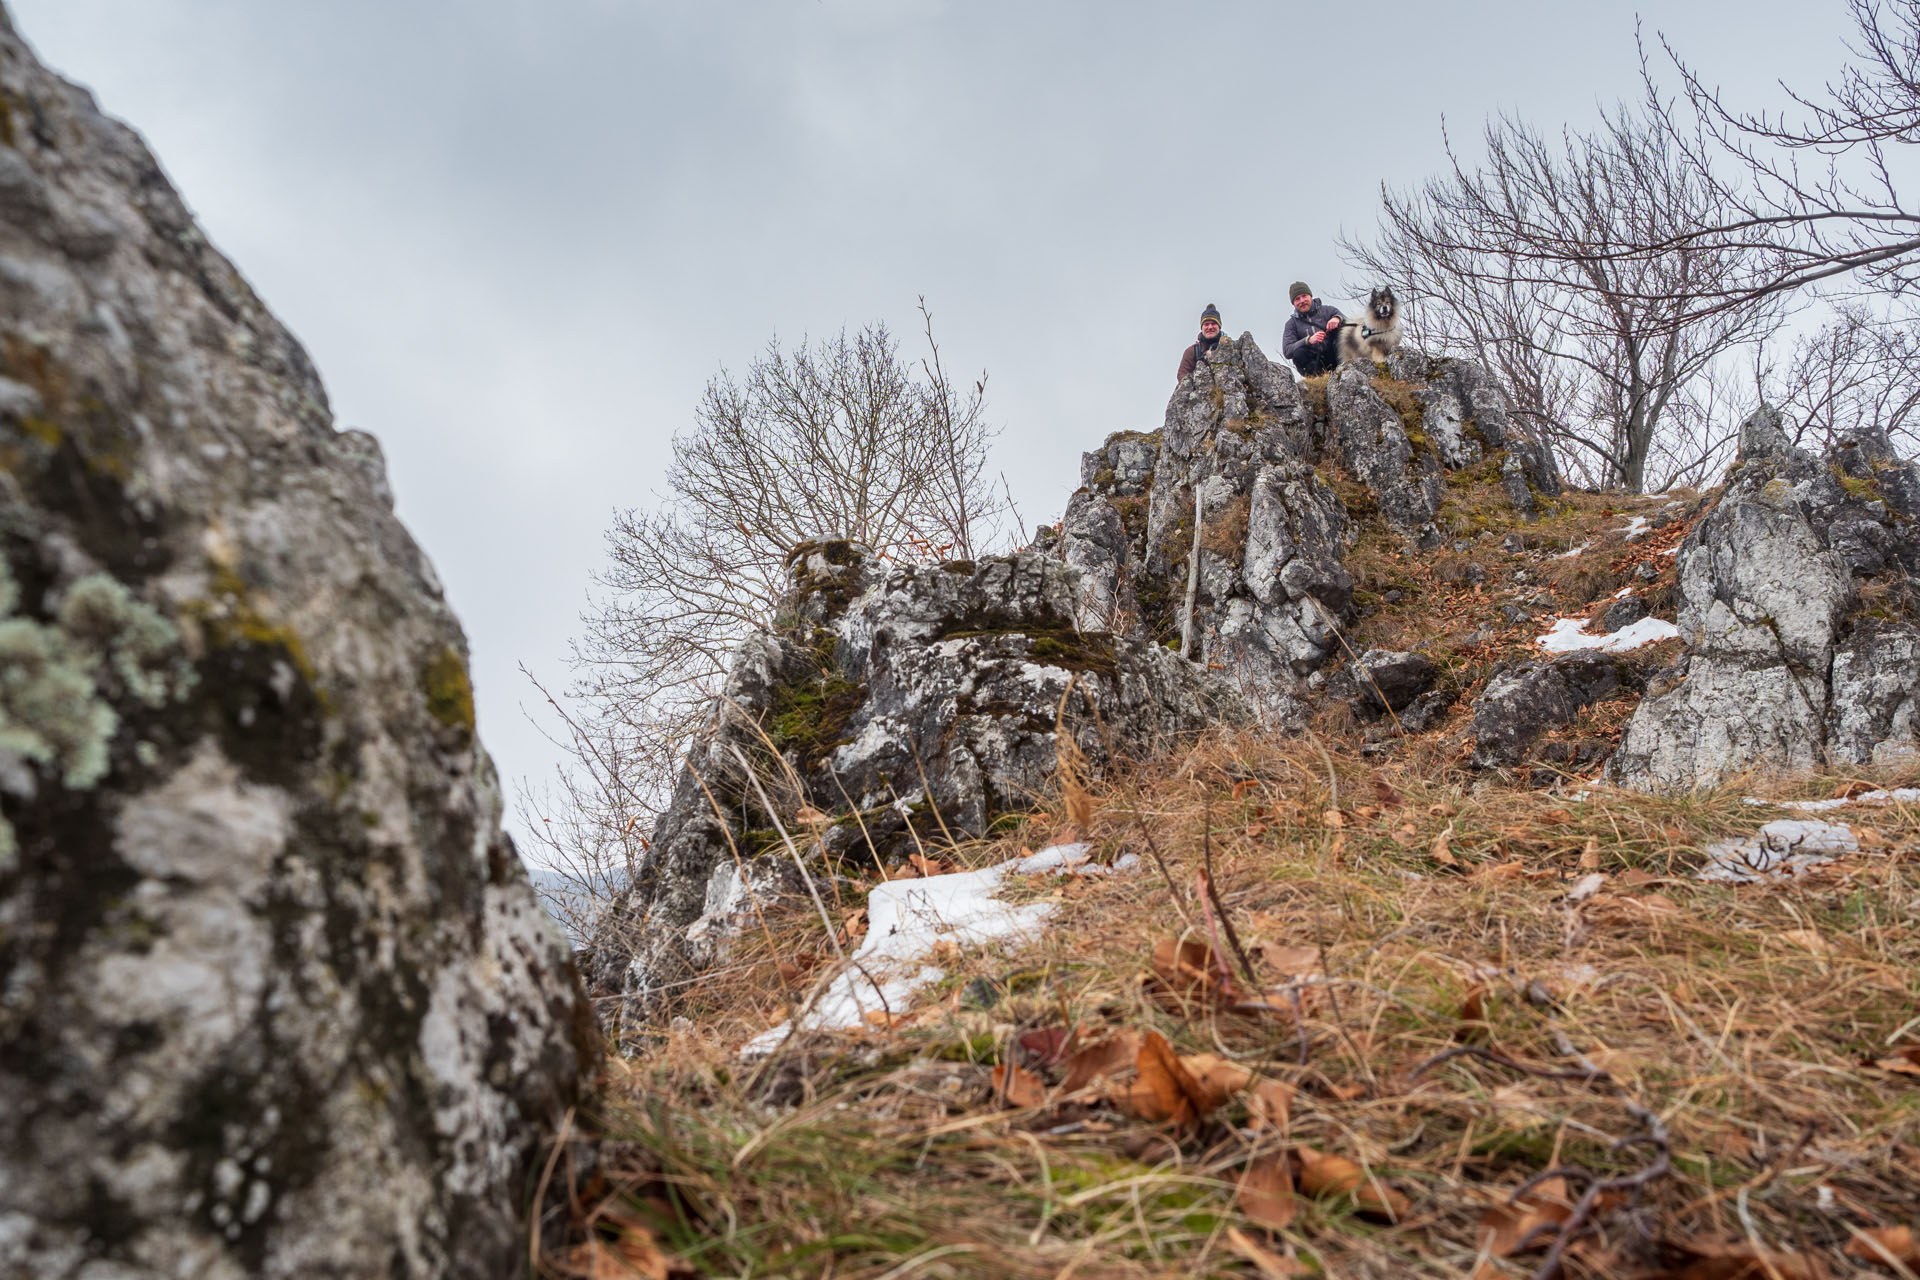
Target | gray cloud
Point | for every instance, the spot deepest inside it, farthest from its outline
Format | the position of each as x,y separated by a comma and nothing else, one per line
518,238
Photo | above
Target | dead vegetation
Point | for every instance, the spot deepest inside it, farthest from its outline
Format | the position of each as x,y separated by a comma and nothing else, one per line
1374,1019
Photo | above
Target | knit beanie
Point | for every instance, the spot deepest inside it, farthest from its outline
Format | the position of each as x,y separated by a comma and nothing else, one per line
1297,288
1211,313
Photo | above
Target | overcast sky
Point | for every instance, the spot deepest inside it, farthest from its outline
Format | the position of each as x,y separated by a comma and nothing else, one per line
518,236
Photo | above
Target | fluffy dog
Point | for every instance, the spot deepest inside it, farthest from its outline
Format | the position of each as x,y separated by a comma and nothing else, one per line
1376,334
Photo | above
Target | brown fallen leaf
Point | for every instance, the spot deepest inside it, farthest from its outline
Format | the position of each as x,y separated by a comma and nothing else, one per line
1110,1057
1590,856
1287,962
1497,872
1046,1045
1333,819
1265,1193
1218,1079
1507,1227
1188,968
1879,1244
1323,1174
1018,1087
1174,1088
1441,849
1740,1261
1269,1105
1904,1061
1557,817
633,1252
1473,1016
1269,1264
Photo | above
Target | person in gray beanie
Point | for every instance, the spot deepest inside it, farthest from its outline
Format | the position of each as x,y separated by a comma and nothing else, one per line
1209,339
1309,339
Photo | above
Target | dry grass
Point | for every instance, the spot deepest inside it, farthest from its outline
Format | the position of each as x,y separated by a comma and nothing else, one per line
1435,914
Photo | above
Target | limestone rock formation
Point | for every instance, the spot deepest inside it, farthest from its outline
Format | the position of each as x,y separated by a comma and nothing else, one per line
898,704
275,997
1800,607
1253,449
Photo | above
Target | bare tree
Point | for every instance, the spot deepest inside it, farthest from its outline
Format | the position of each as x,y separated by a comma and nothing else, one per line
840,439
1519,262
1860,369
1807,196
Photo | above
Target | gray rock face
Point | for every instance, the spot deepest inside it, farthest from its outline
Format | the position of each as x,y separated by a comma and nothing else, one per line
275,996
1785,670
1246,443
905,705
1392,679
1522,703
1373,444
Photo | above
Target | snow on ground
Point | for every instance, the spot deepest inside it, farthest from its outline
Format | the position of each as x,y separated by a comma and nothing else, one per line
1568,555
1901,795
1569,634
1783,848
1636,527
907,920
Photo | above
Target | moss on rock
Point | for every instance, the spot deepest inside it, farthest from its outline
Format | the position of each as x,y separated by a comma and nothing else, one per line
449,690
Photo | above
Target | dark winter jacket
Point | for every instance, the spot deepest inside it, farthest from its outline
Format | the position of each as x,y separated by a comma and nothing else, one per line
1191,356
1301,327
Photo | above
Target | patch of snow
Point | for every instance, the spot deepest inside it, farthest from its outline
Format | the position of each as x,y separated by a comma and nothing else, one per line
1901,795
1782,848
1637,527
907,920
1671,551
1589,884
1623,593
1568,555
1569,634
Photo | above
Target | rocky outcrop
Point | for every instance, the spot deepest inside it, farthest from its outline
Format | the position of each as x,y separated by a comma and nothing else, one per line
1258,454
895,707
1526,700
275,997
1801,613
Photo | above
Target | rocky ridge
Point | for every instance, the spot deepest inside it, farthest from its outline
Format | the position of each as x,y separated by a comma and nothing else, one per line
275,996
907,706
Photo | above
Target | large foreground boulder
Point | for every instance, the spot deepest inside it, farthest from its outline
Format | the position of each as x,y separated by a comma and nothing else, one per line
1800,607
892,709
275,997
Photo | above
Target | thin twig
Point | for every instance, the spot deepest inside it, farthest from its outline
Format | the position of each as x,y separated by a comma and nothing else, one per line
1219,907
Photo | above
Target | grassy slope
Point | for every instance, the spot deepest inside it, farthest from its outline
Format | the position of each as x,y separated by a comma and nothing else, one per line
1415,909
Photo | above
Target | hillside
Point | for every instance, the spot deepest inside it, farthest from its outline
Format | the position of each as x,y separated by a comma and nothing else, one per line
1379,977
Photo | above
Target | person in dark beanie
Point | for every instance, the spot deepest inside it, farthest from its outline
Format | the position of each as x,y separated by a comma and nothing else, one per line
1209,339
1309,340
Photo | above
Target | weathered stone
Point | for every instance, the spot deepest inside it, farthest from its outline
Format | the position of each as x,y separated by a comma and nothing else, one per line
911,704
1245,444
1623,612
1873,714
1372,443
1389,679
1524,702
1782,673
276,998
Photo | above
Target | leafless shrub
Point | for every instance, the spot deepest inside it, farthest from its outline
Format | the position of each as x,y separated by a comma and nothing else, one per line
839,439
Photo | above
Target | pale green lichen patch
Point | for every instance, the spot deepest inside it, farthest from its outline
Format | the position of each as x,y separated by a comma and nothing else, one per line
56,680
